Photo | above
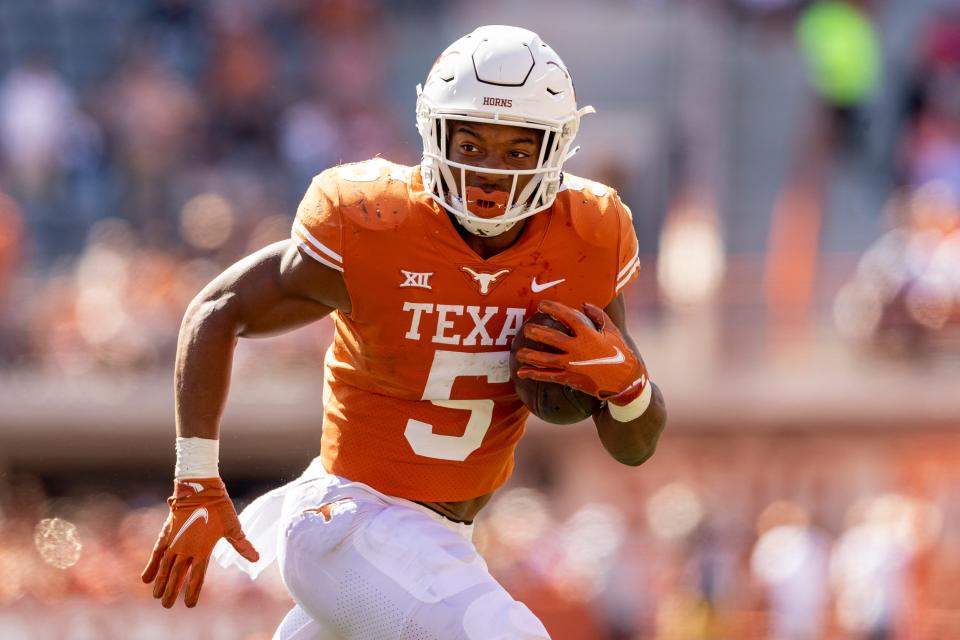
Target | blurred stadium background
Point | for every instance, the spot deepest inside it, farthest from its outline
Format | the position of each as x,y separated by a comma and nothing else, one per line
794,172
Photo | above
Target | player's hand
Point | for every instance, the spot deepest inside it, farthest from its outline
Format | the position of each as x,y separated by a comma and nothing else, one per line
595,359
200,514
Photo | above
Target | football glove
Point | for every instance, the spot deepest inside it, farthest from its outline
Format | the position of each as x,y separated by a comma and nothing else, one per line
200,514
595,359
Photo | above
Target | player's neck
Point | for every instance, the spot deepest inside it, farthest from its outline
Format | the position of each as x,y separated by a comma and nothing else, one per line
488,247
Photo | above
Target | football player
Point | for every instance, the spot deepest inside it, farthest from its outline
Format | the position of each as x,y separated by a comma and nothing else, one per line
429,273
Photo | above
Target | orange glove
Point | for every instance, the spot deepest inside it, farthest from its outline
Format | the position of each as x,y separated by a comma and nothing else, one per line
595,359
200,514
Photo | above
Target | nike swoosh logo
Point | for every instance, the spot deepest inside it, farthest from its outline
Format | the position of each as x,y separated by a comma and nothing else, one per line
616,358
536,287
200,512
196,486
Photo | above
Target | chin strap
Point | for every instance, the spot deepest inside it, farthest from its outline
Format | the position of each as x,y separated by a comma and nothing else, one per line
484,228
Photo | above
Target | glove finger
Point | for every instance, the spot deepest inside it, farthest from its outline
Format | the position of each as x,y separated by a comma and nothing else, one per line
542,375
573,319
546,335
195,582
235,536
163,574
245,548
541,358
596,314
150,571
177,575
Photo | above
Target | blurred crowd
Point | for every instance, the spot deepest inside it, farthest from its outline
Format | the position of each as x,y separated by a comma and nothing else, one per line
905,293
125,188
146,145
689,549
85,563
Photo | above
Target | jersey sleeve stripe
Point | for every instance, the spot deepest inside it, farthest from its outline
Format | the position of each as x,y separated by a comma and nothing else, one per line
316,256
629,266
626,278
319,246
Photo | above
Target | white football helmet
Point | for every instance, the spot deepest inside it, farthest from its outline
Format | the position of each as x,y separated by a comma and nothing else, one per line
505,75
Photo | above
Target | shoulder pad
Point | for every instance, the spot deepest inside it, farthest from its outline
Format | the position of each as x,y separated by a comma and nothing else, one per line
594,209
576,183
374,194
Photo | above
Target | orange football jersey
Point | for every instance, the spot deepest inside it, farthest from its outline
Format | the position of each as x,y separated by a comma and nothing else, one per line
417,396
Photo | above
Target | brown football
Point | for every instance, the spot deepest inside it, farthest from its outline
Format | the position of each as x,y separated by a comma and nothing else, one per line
554,403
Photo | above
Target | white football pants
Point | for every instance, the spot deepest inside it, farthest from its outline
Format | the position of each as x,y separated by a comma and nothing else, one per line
371,567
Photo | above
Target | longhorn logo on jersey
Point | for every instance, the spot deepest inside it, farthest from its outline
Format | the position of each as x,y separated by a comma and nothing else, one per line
484,279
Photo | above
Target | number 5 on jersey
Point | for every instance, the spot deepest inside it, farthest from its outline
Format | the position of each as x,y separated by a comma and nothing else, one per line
448,366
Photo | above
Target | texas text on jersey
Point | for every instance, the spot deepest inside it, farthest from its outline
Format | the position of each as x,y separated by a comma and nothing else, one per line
418,402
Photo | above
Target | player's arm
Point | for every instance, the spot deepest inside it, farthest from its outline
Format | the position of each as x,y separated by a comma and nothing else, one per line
271,291
275,290
631,442
600,359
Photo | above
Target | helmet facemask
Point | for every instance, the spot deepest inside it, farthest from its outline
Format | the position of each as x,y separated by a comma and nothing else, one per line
489,214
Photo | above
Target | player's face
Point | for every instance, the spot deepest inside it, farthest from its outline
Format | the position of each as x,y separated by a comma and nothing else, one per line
494,146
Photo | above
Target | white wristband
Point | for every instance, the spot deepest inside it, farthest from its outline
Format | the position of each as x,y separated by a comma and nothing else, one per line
197,458
635,408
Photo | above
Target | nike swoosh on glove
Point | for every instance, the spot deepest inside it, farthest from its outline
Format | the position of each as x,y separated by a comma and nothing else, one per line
200,514
595,359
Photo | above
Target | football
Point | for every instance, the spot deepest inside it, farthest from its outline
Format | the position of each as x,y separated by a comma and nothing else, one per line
554,403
